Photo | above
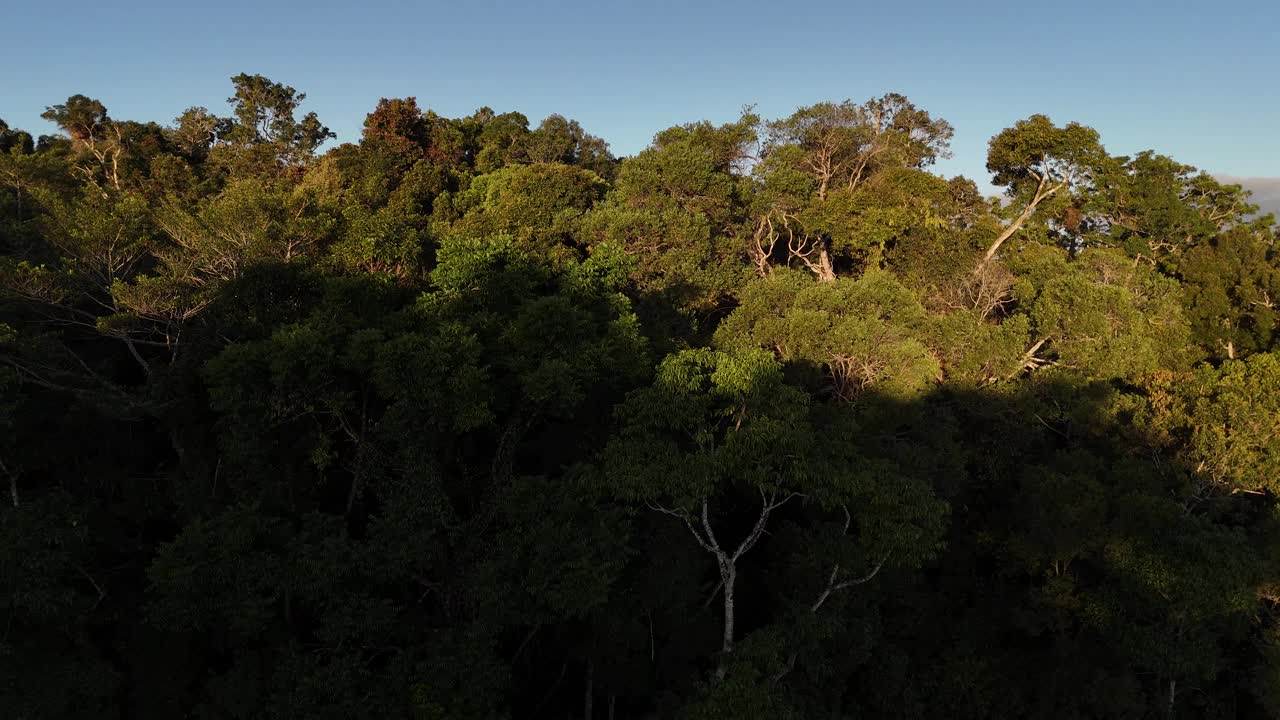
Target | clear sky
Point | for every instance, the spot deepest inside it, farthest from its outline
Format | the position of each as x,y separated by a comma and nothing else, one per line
1196,80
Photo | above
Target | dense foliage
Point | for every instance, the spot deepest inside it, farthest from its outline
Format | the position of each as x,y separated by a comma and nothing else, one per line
472,419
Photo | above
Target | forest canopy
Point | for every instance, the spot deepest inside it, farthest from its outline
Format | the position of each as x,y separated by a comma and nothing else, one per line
473,419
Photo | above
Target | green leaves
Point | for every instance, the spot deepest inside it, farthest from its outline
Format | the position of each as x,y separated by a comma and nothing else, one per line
1235,423
842,145
840,183
710,418
539,206
866,333
471,419
716,424
676,208
83,118
264,112
15,142
221,573
1035,150
1229,284
1100,313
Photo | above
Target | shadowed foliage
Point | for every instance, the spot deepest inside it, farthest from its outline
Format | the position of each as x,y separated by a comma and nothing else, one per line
473,420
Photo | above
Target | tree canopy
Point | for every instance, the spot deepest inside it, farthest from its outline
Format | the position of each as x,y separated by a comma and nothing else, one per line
472,419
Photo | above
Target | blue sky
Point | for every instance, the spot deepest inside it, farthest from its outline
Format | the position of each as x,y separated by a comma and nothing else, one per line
1198,81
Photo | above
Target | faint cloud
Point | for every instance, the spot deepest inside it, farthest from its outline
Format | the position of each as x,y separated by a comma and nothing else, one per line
1266,191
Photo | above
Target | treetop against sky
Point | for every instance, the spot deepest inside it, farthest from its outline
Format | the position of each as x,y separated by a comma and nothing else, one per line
1193,80
326,395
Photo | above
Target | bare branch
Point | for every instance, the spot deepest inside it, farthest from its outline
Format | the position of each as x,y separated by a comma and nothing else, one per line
833,586
711,536
865,578
102,594
1040,195
688,523
1029,359
767,507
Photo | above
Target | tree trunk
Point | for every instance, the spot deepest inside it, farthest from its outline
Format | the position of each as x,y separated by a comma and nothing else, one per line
825,270
729,573
1014,227
1041,195
726,562
761,262
137,356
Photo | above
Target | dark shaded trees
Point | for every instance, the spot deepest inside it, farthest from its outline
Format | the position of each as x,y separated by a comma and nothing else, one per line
470,419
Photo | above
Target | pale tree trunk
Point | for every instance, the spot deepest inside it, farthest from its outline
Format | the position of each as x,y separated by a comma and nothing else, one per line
1029,359
727,562
802,247
730,574
761,251
822,268
137,356
1043,192
824,170
825,270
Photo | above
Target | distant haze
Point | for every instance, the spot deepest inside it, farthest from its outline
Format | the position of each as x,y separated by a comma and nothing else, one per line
1266,191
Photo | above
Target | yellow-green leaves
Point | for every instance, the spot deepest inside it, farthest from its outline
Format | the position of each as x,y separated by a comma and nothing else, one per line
1235,423
867,333
1100,313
